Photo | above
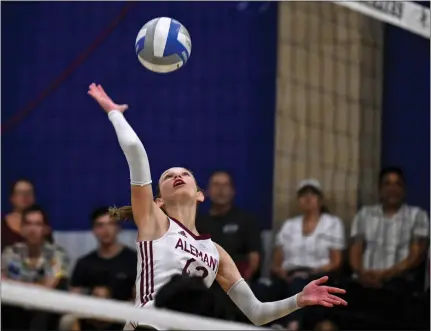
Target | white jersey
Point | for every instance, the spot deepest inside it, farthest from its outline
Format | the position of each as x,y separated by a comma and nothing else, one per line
178,251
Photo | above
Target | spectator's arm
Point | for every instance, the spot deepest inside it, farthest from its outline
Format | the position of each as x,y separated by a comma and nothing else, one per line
57,269
336,237
6,258
253,247
418,246
77,280
357,235
278,256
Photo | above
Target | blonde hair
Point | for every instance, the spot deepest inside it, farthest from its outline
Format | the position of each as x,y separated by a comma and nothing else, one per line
121,214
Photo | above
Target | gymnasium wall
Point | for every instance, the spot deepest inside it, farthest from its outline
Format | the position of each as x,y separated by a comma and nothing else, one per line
272,92
329,79
215,113
406,110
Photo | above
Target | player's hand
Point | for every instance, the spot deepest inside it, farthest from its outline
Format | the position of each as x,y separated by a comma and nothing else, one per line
104,101
317,294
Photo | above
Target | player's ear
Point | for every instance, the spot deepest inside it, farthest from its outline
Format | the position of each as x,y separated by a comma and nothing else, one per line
159,202
200,196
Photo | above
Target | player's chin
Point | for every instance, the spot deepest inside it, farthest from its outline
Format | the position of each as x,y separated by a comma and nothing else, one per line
183,193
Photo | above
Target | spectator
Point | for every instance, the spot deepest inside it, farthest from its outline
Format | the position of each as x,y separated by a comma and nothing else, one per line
389,239
21,197
232,228
307,246
236,231
111,263
33,260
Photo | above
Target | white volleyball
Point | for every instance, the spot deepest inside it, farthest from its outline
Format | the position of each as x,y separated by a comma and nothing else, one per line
163,45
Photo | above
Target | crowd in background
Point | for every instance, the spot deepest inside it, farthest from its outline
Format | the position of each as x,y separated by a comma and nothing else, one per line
382,262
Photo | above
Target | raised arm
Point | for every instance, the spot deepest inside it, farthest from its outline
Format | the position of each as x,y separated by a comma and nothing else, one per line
146,214
261,313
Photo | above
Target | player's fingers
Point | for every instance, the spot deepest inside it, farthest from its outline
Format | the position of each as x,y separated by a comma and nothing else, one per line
337,290
321,280
324,303
102,91
123,107
336,300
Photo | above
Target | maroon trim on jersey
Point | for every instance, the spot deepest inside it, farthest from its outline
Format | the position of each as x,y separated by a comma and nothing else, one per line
195,237
147,266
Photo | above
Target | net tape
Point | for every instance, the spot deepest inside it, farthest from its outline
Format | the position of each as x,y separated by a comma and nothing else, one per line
84,306
404,14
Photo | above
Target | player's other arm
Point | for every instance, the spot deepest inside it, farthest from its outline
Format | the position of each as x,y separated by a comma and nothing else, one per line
261,313
144,209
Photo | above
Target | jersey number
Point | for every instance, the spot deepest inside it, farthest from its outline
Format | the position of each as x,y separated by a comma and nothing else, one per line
203,270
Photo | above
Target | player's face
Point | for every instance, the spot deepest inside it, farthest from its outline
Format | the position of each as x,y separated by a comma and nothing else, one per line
34,228
309,200
105,229
178,184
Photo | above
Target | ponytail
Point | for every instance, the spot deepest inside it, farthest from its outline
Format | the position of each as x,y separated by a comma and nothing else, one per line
121,214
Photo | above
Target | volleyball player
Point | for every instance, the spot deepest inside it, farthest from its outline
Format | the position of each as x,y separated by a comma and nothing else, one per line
170,245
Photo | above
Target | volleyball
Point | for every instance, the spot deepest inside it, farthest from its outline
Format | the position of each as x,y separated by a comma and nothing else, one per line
163,45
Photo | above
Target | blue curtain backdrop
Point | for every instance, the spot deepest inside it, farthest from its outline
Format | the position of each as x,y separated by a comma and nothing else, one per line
406,110
216,112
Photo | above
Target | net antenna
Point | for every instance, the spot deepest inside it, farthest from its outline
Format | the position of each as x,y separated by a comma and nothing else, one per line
403,14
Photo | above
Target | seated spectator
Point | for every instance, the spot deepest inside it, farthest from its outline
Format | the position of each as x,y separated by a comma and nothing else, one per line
111,263
234,229
71,322
21,197
307,246
389,241
33,260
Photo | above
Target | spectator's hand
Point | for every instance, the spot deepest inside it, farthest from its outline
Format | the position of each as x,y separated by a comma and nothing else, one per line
104,101
300,274
280,272
370,278
315,293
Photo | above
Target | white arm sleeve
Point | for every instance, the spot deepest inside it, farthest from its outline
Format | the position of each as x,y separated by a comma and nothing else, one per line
133,149
260,312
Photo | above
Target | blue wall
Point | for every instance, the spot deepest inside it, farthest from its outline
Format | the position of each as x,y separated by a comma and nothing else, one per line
216,112
406,110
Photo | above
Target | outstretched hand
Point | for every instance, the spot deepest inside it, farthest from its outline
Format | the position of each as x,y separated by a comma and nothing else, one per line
317,294
104,101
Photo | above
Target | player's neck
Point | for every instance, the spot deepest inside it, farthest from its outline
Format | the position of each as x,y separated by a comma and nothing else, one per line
184,214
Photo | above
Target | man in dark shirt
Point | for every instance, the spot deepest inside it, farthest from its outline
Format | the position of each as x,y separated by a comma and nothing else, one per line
232,228
111,263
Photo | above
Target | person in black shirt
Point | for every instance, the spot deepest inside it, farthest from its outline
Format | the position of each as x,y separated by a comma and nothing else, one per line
111,263
236,231
232,228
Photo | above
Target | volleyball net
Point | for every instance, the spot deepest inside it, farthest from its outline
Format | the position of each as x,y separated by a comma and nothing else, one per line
328,81
329,98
